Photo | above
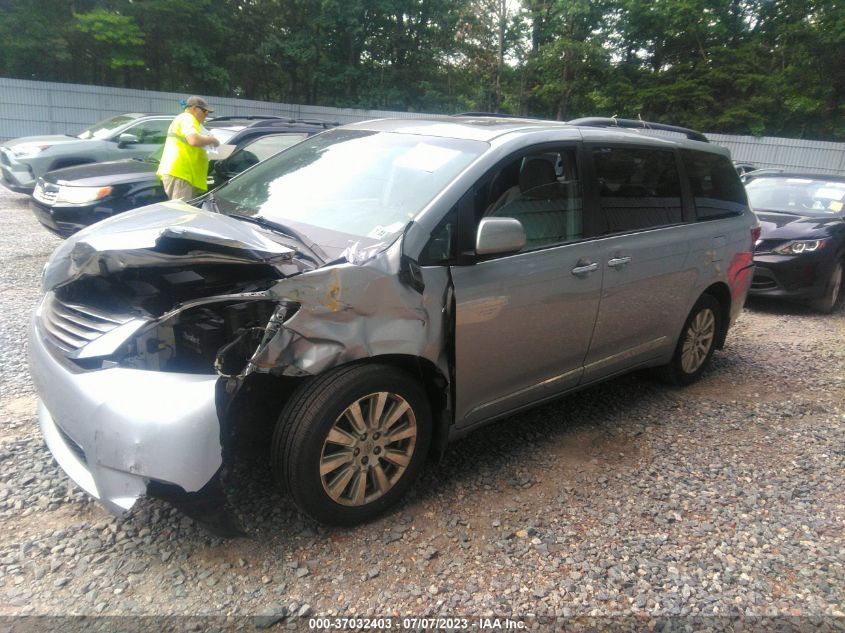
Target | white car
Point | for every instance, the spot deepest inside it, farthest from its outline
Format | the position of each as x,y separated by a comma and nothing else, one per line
23,160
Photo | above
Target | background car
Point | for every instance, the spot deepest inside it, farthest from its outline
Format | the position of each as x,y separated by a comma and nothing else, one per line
24,160
67,200
743,168
801,251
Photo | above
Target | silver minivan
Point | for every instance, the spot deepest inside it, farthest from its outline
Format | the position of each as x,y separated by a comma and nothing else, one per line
382,289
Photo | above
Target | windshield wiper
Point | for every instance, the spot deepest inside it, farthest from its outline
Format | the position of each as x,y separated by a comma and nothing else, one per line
315,253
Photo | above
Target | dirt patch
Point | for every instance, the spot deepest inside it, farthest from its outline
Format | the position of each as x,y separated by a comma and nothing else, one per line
21,407
29,526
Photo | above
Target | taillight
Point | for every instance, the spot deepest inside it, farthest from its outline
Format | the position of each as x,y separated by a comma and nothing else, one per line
755,234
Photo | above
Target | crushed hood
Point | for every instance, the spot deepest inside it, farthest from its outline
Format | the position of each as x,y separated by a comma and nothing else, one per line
165,234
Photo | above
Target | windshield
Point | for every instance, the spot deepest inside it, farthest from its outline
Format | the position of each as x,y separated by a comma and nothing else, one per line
105,128
799,196
360,183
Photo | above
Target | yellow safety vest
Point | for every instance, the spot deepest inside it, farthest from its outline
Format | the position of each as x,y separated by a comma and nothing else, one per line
181,160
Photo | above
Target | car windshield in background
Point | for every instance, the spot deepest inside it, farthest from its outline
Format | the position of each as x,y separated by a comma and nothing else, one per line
266,146
223,134
799,196
105,128
362,183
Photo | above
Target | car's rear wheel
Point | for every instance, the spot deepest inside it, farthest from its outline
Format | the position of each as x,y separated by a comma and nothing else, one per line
696,344
832,291
350,442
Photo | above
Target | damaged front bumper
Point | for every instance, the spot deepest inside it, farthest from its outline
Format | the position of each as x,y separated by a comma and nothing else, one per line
113,431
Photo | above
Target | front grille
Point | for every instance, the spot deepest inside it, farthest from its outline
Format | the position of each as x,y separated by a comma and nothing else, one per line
72,326
3,158
45,192
75,448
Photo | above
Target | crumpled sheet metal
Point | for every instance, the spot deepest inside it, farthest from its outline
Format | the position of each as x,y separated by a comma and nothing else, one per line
130,240
350,312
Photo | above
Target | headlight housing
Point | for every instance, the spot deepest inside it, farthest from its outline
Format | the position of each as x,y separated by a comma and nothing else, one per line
81,195
796,247
27,151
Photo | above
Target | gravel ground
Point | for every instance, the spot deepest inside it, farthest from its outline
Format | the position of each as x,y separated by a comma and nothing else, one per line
629,499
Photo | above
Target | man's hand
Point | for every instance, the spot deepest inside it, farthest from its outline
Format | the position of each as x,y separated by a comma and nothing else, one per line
202,141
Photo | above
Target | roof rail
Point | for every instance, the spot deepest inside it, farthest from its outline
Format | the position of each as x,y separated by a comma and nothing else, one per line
287,121
490,114
638,125
325,124
245,117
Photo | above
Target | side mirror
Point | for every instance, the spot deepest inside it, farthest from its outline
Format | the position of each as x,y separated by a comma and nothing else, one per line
126,139
499,235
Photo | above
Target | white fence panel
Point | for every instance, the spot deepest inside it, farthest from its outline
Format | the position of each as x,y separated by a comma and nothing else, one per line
38,107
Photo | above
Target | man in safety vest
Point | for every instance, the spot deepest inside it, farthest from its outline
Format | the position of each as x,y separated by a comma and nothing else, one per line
184,162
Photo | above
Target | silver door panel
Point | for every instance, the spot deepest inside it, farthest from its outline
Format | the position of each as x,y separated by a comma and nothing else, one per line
523,327
646,284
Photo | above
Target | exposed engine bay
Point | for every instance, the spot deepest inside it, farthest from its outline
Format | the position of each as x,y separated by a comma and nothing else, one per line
192,313
179,331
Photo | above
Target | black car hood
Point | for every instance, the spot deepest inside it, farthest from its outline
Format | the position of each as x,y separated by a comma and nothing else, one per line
166,234
792,227
118,172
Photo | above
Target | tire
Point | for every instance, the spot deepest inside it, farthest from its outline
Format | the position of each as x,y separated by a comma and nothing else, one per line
336,462
696,343
827,302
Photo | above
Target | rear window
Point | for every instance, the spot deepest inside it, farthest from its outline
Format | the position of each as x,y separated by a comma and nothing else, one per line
716,187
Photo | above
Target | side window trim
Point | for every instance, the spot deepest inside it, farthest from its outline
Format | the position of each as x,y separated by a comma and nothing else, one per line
687,199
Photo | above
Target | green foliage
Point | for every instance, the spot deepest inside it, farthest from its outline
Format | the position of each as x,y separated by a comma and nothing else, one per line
743,66
111,37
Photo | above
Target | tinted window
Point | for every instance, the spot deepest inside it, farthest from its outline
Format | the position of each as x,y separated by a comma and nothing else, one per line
152,132
543,192
638,188
716,187
261,149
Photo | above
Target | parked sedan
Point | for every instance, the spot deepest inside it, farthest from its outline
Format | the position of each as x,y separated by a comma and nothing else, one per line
801,250
24,160
67,200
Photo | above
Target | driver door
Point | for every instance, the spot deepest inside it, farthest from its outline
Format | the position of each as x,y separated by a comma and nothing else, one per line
523,321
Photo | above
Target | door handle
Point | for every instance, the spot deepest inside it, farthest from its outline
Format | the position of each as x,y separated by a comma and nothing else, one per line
586,268
618,262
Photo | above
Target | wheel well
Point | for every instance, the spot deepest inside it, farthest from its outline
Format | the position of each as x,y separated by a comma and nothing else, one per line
722,294
257,404
437,389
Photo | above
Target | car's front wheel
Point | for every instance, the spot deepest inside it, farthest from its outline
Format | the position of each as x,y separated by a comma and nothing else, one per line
696,344
828,300
349,443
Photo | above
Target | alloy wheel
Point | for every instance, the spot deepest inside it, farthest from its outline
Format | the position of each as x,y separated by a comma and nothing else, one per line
698,341
368,449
